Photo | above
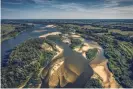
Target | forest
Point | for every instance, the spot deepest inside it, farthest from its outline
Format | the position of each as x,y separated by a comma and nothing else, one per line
24,62
93,83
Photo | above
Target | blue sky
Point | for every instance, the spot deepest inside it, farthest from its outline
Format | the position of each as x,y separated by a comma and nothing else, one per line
67,9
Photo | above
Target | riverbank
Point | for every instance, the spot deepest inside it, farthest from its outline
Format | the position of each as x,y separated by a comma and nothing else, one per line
50,26
48,34
99,64
66,68
106,76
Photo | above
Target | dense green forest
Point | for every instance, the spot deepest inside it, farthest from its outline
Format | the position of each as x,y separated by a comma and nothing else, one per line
120,56
25,61
93,83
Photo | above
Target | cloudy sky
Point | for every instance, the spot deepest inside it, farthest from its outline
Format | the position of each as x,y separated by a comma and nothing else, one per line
67,9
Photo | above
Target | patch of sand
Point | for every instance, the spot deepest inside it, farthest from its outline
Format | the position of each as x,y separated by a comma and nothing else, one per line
108,80
75,36
100,68
60,51
52,33
84,48
101,71
56,66
50,26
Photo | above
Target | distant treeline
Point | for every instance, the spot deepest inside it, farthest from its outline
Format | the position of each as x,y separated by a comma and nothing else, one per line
10,30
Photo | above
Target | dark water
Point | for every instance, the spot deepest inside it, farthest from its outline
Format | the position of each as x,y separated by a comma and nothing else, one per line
8,45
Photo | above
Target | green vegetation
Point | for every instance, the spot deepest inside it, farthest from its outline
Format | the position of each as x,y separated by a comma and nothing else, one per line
75,43
93,83
121,32
118,49
24,63
55,38
122,37
120,58
67,28
28,58
91,54
9,30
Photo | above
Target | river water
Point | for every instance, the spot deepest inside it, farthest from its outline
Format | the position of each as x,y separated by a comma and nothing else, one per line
8,45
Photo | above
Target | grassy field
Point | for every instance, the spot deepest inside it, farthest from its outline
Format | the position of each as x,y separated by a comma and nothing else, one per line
7,28
91,27
121,32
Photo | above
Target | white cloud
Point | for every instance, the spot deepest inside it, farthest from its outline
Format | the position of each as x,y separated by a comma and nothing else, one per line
110,10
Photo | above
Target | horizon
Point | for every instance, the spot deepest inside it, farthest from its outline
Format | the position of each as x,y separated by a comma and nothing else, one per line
67,19
66,9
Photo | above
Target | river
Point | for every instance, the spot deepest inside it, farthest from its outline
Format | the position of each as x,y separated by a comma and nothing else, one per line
8,45
71,57
74,72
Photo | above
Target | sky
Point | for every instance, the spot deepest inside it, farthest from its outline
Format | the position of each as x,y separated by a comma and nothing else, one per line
67,9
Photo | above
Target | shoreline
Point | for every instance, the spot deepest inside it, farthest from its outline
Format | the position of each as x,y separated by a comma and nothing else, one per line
50,26
99,65
48,34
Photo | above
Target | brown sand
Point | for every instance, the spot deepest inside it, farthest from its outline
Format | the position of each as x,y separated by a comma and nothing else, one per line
52,33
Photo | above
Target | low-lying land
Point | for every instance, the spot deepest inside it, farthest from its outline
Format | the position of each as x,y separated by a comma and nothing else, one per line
9,30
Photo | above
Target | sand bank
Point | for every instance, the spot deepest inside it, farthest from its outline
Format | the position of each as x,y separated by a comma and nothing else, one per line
52,33
50,26
100,67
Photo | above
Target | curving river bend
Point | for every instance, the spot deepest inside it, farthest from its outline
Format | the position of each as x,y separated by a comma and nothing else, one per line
8,45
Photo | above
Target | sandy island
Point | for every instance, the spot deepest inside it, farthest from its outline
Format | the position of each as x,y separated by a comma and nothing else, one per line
50,26
56,65
52,33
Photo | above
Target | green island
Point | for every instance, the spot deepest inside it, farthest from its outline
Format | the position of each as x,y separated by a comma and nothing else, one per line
91,54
